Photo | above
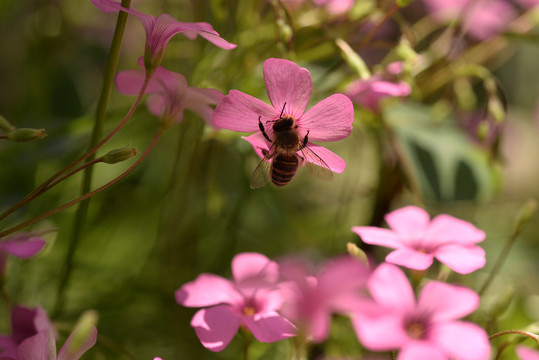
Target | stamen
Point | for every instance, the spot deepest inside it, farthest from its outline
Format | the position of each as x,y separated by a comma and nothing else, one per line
416,330
249,311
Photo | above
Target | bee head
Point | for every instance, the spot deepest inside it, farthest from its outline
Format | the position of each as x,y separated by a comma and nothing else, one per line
284,123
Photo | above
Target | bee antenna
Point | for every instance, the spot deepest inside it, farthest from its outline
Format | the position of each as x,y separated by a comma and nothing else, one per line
282,111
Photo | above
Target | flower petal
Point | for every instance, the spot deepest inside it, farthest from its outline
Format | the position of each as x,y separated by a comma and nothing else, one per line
446,228
107,5
239,112
446,302
462,340
73,348
525,353
23,247
199,101
41,346
377,236
329,120
270,327
421,350
410,258
258,142
461,259
379,332
391,289
332,160
409,221
288,83
249,266
216,326
206,290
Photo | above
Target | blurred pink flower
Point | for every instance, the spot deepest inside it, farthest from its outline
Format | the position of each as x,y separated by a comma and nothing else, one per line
369,93
159,30
22,245
289,89
525,353
169,94
482,19
33,337
252,300
312,298
336,7
426,329
418,240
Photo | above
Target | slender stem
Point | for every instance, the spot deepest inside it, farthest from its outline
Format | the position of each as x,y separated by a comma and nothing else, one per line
85,196
515,332
375,29
72,172
39,189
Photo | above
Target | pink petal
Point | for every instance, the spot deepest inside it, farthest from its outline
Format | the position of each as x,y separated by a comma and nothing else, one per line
446,302
461,340
410,258
269,327
332,160
199,101
380,332
288,83
239,112
409,221
216,326
390,288
23,247
421,350
249,266
461,259
446,228
206,290
8,348
67,352
378,236
329,120
41,346
525,353
130,82
156,104
318,326
258,142
107,5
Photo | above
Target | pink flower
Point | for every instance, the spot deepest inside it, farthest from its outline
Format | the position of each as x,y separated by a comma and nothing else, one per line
169,94
369,93
525,353
312,298
336,7
482,19
252,300
426,329
22,245
159,30
418,240
289,89
33,337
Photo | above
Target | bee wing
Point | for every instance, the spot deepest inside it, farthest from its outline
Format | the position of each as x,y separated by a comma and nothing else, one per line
317,167
261,175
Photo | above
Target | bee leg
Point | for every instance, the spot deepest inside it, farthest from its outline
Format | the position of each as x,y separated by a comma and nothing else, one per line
305,141
261,127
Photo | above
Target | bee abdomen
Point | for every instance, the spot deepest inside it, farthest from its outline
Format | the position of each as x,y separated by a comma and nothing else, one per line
284,169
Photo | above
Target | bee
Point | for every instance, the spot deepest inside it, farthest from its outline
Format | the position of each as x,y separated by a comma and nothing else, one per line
287,153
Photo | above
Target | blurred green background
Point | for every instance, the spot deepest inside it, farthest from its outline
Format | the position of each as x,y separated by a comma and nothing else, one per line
189,209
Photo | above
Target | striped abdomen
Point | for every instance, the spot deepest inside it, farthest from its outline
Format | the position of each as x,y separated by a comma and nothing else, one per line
284,169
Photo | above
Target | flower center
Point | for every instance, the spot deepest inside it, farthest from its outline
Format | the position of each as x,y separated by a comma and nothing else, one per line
415,330
249,311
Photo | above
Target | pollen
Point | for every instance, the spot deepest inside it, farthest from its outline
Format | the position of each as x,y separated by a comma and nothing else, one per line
248,311
416,330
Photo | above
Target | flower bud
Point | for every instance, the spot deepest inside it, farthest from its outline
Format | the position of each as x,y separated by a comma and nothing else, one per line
84,335
357,253
353,60
525,214
5,125
119,155
26,134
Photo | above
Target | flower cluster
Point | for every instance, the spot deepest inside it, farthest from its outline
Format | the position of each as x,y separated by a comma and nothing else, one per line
276,300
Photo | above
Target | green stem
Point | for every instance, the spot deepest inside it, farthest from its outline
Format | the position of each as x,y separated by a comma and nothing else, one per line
515,332
86,165
85,196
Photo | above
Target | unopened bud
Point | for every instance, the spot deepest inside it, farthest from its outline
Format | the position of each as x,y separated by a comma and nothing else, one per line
525,213
26,134
357,253
353,60
85,334
5,125
119,155
495,108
